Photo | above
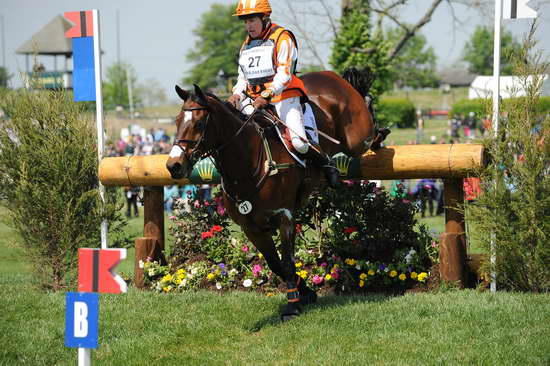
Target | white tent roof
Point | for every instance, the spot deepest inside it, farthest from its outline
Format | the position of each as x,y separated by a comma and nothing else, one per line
510,86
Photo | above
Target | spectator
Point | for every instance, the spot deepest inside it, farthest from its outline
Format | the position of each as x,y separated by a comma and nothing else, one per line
472,188
170,193
188,195
131,200
399,189
426,193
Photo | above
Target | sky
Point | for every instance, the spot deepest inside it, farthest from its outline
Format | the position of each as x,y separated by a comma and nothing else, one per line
156,35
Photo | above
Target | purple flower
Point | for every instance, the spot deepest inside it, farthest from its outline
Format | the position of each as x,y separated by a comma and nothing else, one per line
382,267
221,265
324,264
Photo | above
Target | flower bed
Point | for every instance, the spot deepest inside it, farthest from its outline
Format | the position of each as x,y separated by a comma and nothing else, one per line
344,241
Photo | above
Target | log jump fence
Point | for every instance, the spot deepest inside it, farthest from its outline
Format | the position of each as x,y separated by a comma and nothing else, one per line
451,163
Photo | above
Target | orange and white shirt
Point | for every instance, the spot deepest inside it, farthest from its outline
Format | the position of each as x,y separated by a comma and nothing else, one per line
269,63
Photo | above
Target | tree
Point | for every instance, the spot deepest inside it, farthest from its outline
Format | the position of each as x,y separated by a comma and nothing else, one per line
414,66
4,77
153,93
216,51
115,86
355,34
478,52
375,46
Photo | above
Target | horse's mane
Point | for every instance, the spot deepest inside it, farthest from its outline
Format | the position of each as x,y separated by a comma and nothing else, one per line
240,115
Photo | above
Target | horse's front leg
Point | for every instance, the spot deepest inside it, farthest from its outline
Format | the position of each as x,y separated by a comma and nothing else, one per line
297,291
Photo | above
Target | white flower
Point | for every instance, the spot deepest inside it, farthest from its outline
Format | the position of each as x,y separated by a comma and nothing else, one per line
386,269
233,272
358,267
158,287
183,283
409,256
218,285
247,283
259,282
234,242
194,271
151,272
140,264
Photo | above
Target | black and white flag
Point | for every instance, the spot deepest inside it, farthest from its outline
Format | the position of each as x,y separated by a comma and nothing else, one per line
515,9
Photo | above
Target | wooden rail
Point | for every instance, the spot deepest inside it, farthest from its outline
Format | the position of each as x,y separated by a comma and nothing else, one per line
451,163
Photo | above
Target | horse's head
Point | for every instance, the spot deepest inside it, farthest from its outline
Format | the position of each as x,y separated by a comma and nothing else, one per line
190,142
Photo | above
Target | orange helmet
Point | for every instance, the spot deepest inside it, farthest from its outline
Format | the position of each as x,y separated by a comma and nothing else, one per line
249,7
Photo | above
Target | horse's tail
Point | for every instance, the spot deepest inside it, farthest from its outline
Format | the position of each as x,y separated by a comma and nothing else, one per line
361,80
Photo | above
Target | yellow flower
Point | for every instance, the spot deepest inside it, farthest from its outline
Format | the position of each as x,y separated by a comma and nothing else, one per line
422,276
361,283
328,277
269,294
363,276
298,264
371,272
167,278
146,264
393,273
260,255
180,271
402,277
350,262
211,276
165,289
414,275
303,274
178,281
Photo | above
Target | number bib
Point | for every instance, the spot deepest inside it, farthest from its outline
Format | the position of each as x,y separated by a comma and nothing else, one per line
257,62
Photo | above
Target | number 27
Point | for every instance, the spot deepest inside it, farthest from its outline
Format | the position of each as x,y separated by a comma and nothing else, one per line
251,59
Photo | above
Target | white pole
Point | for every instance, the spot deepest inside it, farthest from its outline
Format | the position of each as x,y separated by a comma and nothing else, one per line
130,92
84,358
99,115
3,42
496,112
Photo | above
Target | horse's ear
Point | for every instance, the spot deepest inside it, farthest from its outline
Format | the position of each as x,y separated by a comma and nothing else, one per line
203,100
182,93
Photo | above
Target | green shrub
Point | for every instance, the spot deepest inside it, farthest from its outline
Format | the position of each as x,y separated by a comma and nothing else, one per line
396,112
514,213
48,182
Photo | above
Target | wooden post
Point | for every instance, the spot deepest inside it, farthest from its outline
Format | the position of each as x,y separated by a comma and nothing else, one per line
151,246
452,253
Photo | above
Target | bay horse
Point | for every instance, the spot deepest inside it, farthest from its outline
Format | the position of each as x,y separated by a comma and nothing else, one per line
259,201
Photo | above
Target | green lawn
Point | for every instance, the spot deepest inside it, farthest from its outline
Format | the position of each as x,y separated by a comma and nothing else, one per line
202,328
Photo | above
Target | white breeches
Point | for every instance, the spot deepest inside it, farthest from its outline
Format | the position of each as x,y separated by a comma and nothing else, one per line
289,111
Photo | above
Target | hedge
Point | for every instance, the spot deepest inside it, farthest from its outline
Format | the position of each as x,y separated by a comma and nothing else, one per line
482,107
396,112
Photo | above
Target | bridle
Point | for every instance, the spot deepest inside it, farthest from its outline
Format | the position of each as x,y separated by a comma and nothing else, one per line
202,125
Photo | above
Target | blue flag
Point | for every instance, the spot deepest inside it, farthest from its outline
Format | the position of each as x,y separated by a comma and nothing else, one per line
83,69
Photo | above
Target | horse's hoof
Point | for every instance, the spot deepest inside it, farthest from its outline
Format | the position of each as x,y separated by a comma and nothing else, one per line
290,312
308,298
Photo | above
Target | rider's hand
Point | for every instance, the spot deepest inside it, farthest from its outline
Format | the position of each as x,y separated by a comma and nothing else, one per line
260,103
234,100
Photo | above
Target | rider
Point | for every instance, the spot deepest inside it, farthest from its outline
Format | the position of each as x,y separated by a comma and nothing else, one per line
267,64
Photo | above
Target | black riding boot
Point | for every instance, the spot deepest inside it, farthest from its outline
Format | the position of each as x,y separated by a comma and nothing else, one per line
323,161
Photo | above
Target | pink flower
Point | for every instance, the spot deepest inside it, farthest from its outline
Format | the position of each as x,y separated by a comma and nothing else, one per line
434,244
244,248
256,270
197,204
221,210
172,217
324,264
317,279
335,275
206,204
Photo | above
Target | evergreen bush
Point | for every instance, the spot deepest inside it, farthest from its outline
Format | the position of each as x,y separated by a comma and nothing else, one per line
482,107
513,213
396,112
48,182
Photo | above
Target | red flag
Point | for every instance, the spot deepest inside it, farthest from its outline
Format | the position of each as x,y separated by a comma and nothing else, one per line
96,270
83,24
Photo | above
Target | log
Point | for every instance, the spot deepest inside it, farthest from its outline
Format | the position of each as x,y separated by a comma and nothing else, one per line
392,162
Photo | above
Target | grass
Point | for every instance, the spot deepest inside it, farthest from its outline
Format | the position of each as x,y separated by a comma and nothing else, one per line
201,328
431,98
